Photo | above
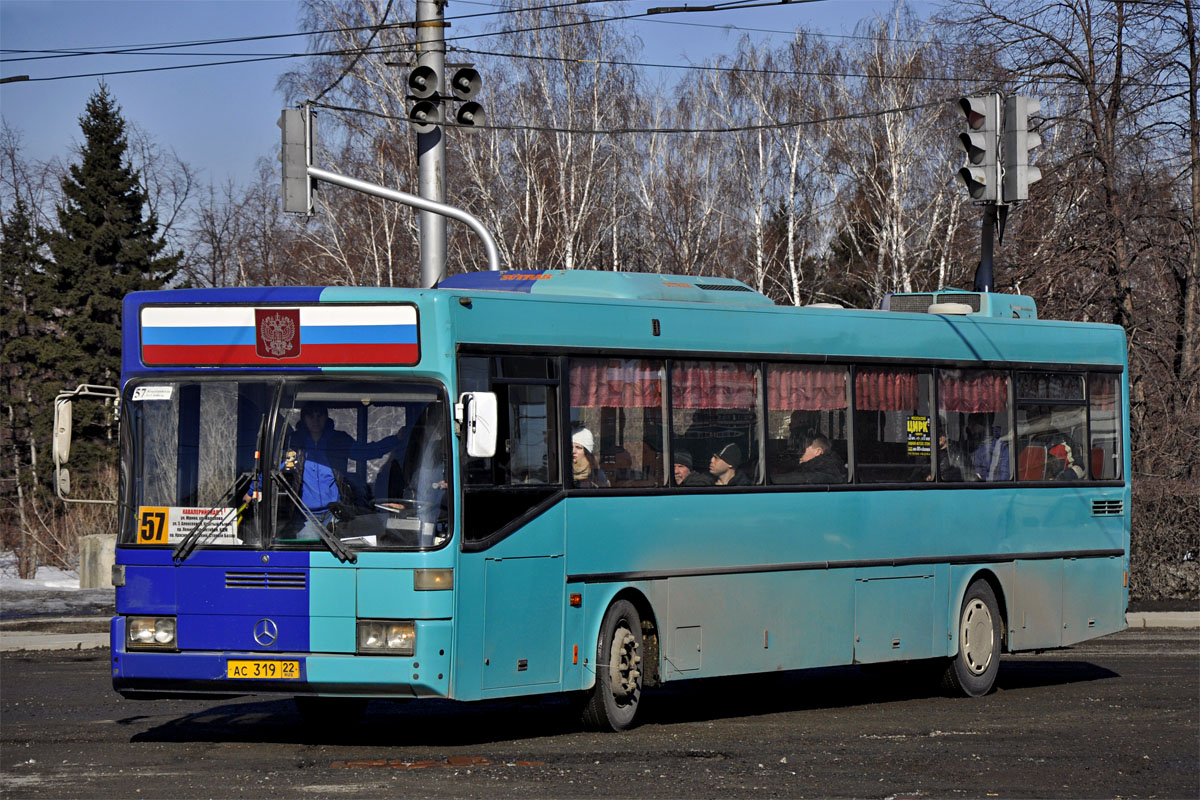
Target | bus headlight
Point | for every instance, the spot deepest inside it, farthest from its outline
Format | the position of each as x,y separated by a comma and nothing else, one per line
387,637
150,633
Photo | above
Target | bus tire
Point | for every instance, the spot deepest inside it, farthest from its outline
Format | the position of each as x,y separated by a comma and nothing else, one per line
330,713
616,696
972,672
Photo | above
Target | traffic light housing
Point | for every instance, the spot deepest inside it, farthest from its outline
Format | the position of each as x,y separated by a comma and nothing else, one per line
298,127
980,173
426,112
1018,141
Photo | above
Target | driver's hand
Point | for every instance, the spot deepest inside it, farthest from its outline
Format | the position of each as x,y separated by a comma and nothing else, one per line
395,506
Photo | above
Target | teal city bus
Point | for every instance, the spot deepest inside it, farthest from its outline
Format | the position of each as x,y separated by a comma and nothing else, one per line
594,483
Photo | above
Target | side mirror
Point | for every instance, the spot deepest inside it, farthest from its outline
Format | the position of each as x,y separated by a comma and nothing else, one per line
62,431
64,482
477,412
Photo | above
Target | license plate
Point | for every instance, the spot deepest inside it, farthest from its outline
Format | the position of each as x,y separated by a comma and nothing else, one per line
263,669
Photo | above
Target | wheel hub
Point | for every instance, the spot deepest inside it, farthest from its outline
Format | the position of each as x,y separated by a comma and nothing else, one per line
978,637
624,664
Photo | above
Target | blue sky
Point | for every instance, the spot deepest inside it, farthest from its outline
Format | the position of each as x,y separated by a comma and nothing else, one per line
221,119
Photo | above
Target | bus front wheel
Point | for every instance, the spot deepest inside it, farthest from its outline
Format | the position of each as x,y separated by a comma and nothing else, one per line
614,700
973,671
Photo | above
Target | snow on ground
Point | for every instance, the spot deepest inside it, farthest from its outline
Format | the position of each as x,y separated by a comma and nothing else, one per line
46,578
51,593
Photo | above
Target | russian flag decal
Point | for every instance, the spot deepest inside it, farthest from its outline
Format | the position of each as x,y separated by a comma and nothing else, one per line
308,335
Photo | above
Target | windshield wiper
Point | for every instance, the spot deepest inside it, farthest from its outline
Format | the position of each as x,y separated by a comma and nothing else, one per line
332,542
192,538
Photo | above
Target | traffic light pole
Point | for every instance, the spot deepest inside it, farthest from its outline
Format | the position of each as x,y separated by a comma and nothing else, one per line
431,147
425,206
983,273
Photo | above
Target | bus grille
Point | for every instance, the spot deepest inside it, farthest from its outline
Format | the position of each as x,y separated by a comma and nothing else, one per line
264,580
1108,508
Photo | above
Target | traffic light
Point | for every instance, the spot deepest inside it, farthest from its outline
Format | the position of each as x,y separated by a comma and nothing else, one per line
465,84
426,112
298,126
1018,141
980,173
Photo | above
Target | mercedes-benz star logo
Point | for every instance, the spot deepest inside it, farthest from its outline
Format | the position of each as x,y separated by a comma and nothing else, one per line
265,632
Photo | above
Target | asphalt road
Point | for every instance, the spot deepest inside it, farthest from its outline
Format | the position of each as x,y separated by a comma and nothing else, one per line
1117,717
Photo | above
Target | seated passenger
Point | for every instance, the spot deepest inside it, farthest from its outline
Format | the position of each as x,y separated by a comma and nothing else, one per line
685,475
724,467
818,464
1068,469
585,472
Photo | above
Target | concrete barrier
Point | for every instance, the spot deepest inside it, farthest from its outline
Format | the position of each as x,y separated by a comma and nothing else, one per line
97,554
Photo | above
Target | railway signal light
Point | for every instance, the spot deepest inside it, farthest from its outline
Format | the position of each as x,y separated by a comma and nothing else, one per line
980,173
1018,141
298,127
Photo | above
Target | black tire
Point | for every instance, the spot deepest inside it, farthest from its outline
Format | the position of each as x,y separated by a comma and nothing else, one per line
972,672
330,713
613,702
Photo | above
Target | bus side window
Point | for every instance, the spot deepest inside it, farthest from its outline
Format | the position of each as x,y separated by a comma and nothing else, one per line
807,416
620,405
526,470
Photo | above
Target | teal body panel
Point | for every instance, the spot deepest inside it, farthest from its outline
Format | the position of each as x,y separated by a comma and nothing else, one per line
779,331
510,601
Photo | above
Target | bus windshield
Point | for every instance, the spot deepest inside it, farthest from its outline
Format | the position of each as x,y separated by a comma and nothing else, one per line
362,461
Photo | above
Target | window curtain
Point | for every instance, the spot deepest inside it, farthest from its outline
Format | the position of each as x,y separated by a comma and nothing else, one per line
1103,391
708,384
972,391
885,390
800,388
616,384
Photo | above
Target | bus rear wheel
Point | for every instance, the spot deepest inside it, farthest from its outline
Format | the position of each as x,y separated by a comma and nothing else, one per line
616,696
973,671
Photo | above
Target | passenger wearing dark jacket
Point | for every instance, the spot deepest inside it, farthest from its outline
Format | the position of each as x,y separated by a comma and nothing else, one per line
818,464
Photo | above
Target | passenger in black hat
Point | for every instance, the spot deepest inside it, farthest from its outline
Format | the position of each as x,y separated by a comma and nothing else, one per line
724,467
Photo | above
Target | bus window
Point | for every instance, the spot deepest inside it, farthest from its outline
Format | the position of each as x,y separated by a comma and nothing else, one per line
714,410
1104,425
891,425
974,441
1050,426
524,475
619,403
806,415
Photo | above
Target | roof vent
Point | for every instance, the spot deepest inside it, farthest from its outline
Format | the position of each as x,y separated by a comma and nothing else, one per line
824,305
950,308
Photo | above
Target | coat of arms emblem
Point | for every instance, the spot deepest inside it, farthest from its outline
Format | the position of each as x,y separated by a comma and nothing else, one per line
277,332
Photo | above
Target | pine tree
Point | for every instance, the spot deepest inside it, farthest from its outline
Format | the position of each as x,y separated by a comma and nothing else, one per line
107,245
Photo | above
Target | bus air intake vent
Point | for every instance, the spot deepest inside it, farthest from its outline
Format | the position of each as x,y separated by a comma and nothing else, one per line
264,580
911,303
1108,508
723,287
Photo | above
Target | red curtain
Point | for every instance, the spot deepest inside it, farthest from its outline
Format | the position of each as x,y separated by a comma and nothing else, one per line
709,384
616,384
885,390
973,391
800,388
1103,391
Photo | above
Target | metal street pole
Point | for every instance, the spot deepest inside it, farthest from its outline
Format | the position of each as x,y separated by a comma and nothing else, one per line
431,147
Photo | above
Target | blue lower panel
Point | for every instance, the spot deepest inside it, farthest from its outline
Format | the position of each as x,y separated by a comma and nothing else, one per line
427,674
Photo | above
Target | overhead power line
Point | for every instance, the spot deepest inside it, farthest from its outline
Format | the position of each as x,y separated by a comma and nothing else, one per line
647,130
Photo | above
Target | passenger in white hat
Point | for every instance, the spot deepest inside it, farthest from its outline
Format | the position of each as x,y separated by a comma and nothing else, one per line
585,470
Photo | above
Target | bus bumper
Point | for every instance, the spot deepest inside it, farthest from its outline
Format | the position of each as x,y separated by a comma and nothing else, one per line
151,675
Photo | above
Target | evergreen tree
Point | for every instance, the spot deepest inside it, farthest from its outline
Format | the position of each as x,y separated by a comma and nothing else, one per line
26,396
107,245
